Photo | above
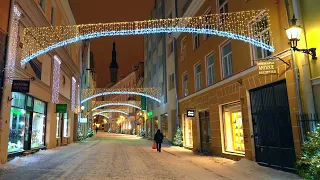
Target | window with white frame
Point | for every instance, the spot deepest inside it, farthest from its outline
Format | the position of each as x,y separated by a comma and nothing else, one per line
226,59
42,4
171,81
53,15
223,6
197,77
185,84
210,69
262,30
196,41
65,125
207,23
58,133
184,49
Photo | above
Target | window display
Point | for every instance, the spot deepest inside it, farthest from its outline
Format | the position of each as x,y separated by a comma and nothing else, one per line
188,132
155,125
37,136
65,125
233,128
165,125
58,125
17,129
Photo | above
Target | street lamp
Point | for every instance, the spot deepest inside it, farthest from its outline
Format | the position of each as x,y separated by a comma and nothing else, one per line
293,34
82,108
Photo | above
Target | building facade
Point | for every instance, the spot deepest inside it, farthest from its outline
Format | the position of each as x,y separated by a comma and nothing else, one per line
238,113
30,120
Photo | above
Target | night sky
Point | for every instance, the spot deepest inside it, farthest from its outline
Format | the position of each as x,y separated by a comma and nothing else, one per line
129,48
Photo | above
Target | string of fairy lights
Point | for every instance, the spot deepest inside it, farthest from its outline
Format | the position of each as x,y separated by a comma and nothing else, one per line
234,25
101,104
56,80
88,94
118,110
73,93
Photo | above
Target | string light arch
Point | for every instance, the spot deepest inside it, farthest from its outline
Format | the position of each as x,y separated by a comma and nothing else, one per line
122,111
234,25
102,114
99,104
88,94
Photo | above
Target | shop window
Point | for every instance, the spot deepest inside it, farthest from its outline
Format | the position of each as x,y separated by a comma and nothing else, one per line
65,125
226,60
155,125
188,132
58,125
232,128
261,32
18,100
165,125
17,130
38,128
210,70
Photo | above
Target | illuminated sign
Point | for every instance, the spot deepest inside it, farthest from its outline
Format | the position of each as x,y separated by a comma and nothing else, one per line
150,113
190,113
83,120
267,67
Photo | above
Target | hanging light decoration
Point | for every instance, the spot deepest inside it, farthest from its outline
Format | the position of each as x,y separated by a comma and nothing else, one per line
73,93
234,25
100,104
56,80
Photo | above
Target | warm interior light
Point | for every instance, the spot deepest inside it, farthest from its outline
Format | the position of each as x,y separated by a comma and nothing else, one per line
82,107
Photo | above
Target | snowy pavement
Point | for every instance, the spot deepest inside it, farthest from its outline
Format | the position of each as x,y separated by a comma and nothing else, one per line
114,156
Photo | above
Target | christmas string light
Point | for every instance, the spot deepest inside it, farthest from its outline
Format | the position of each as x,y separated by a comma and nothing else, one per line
88,94
73,93
235,25
123,111
103,115
56,80
116,104
99,104
13,44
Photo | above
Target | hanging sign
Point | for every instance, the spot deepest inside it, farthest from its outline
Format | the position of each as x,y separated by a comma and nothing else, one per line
61,108
190,113
83,120
267,67
150,113
143,103
21,86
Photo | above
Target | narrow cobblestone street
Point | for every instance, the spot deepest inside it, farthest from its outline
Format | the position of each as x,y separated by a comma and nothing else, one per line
114,156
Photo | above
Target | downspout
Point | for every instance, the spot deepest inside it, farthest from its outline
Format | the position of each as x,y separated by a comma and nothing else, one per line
176,68
295,68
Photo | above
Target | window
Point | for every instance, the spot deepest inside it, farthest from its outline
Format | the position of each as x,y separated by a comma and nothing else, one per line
58,125
196,41
42,4
183,49
197,77
207,24
53,15
232,128
160,60
210,69
185,85
226,60
171,81
170,48
223,6
65,125
261,32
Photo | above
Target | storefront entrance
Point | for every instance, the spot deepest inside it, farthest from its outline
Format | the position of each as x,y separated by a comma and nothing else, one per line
205,133
188,132
273,138
27,123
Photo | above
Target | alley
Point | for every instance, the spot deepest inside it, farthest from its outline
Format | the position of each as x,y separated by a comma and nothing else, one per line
115,156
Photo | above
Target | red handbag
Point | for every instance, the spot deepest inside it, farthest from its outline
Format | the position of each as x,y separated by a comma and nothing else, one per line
154,145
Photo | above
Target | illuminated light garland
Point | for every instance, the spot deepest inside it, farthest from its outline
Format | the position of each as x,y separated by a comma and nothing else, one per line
123,111
99,104
103,115
73,93
56,80
233,25
88,94
78,99
13,44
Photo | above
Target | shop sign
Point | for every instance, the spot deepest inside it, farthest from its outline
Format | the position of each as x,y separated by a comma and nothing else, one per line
83,120
61,108
150,113
21,86
143,103
267,67
190,112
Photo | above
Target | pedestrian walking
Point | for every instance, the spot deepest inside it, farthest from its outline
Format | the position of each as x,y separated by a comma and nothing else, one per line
158,138
96,129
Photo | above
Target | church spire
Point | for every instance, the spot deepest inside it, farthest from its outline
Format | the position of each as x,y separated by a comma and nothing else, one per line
114,65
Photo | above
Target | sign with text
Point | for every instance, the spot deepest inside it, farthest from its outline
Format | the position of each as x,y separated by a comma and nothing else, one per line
267,67
21,86
190,113
143,103
61,108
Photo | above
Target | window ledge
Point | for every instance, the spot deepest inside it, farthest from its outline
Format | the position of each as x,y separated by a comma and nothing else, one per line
234,153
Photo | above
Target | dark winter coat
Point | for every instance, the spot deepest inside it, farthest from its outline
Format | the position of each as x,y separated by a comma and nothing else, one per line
158,137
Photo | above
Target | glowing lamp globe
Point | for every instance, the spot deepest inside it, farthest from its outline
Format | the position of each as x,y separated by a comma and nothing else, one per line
293,34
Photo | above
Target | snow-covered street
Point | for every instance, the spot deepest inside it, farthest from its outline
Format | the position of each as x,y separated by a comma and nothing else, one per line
114,156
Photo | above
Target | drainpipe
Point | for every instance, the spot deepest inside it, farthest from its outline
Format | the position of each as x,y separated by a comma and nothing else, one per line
176,80
295,67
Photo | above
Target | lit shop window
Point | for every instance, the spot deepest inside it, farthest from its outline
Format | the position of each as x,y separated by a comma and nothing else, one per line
233,128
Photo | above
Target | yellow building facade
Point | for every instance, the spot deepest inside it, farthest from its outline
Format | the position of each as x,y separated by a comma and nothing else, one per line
239,113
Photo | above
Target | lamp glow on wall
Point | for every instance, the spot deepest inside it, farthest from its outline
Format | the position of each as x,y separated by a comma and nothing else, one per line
293,34
56,80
